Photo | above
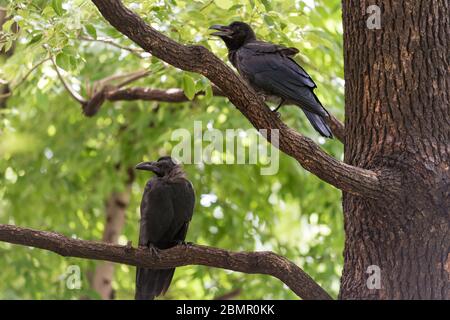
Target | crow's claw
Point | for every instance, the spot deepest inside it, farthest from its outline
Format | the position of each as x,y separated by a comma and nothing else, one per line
183,243
154,250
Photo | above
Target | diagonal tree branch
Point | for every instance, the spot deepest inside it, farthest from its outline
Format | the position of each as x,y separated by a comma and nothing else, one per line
267,263
198,59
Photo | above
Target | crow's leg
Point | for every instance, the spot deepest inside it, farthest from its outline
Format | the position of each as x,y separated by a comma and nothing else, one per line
154,250
279,106
182,243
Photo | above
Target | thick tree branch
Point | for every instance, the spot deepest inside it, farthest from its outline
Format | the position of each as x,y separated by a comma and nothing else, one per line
267,263
198,59
115,93
165,95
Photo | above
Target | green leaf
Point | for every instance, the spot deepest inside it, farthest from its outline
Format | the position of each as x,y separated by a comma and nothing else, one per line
90,29
8,45
188,86
7,25
236,7
36,38
73,62
224,4
208,94
269,20
267,5
63,61
70,50
82,157
57,7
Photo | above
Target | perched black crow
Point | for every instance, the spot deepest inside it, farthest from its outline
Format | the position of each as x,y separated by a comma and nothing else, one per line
271,71
166,209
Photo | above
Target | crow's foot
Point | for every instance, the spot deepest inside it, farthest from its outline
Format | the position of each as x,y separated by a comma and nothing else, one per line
183,243
154,250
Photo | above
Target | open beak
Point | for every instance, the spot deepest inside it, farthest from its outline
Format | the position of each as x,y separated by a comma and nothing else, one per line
223,31
148,166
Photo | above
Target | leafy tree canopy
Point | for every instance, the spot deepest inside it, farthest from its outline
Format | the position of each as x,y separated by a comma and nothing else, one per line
58,167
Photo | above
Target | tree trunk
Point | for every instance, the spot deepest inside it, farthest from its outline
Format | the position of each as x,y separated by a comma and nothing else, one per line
398,122
115,210
4,88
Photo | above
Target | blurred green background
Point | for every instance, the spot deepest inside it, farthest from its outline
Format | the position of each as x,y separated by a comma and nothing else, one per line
58,168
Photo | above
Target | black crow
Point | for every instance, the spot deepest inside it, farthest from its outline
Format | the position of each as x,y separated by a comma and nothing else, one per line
166,209
272,72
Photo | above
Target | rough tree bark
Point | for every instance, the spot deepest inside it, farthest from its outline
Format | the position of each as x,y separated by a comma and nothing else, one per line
397,120
263,262
395,175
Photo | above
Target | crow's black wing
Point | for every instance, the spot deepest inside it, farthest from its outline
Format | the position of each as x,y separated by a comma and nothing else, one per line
183,200
265,47
276,73
157,212
166,210
156,221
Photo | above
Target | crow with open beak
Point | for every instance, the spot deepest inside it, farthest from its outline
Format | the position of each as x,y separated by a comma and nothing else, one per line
166,209
271,70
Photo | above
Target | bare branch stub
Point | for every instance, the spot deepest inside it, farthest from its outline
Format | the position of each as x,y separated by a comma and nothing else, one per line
267,263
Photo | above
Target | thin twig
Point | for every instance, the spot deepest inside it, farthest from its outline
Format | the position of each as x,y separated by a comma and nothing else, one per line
107,80
133,77
73,93
136,51
29,72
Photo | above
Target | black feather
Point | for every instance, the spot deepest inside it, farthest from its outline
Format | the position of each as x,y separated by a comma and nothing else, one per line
166,210
271,70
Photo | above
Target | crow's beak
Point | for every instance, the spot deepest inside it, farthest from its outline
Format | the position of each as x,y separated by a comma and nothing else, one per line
148,166
223,31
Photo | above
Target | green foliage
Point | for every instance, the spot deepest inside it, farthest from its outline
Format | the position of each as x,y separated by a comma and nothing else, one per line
58,167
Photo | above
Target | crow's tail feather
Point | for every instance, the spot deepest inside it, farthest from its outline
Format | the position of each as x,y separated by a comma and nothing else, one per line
318,122
151,283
